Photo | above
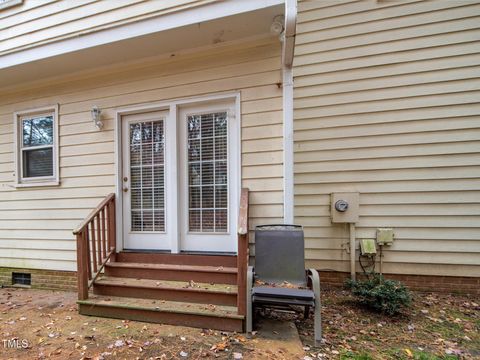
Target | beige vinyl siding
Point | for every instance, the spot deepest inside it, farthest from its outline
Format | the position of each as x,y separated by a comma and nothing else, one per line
37,22
36,224
387,103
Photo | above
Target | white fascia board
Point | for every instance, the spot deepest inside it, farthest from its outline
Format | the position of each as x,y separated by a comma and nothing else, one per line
160,23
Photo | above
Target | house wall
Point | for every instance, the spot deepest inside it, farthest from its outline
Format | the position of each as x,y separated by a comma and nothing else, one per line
387,103
36,223
38,22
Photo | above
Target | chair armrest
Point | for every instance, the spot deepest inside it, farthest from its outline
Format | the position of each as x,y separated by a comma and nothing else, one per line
313,280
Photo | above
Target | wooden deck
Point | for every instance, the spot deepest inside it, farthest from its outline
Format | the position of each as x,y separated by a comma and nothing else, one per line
207,291
165,312
192,290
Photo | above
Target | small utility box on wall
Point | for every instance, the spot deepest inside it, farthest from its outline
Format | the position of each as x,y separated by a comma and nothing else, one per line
344,207
385,236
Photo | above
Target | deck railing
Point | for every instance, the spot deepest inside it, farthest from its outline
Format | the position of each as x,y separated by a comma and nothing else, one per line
243,253
95,244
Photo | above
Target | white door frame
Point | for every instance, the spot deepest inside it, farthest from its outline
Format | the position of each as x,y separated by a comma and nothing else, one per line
173,107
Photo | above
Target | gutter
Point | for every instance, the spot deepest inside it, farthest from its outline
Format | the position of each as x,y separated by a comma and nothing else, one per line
289,33
288,46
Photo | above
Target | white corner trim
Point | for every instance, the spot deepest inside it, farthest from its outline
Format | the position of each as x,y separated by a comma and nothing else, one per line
287,61
211,11
288,185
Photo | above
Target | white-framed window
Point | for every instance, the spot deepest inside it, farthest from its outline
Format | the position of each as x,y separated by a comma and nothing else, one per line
36,147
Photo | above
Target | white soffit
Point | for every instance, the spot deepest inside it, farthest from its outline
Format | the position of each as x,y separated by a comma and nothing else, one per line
215,23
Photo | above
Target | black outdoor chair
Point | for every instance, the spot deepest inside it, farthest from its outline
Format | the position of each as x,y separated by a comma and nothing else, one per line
279,262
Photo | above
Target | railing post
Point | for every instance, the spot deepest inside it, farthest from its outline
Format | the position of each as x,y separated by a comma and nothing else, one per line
95,223
104,232
82,260
242,274
111,228
242,256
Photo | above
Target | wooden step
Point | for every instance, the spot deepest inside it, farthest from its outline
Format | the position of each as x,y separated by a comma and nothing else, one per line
218,294
197,273
177,259
163,312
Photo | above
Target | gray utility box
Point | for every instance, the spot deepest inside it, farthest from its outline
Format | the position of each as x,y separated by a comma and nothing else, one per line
279,254
344,207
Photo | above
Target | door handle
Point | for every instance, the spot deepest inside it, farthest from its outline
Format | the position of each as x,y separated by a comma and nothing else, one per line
125,189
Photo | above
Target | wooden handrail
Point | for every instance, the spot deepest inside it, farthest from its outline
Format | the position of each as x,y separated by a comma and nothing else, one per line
95,244
93,213
243,253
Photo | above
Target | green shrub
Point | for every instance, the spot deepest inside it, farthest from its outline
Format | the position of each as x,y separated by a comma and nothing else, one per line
385,296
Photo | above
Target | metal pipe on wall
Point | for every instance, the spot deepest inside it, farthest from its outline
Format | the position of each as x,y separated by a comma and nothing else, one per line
352,251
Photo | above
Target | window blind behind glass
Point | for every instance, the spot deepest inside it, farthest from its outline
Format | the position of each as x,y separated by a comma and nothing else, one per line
207,172
147,176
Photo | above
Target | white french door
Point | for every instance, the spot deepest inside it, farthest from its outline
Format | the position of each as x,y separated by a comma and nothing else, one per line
144,181
180,178
209,177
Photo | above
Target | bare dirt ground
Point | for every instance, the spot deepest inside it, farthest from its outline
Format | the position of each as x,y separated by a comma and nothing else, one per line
40,324
46,325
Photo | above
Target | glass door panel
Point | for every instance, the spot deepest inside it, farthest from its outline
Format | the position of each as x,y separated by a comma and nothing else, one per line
147,180
144,184
207,173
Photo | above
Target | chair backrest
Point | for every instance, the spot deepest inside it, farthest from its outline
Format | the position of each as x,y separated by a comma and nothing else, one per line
280,254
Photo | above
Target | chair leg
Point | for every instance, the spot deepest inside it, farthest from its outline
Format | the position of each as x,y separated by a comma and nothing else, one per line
318,306
306,313
249,317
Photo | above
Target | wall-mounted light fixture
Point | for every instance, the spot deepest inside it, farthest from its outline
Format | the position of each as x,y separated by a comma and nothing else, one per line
277,26
96,114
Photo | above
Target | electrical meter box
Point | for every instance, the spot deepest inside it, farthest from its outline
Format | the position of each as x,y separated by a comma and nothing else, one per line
344,207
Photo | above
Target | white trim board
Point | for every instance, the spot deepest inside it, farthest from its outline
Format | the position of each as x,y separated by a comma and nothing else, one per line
215,10
288,161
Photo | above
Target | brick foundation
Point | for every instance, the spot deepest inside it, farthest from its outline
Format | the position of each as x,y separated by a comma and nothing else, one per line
43,279
67,280
443,284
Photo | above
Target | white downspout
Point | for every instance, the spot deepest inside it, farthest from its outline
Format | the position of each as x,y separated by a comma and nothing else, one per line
287,61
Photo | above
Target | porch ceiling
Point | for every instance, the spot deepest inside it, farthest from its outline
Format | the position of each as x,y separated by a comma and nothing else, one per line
162,43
